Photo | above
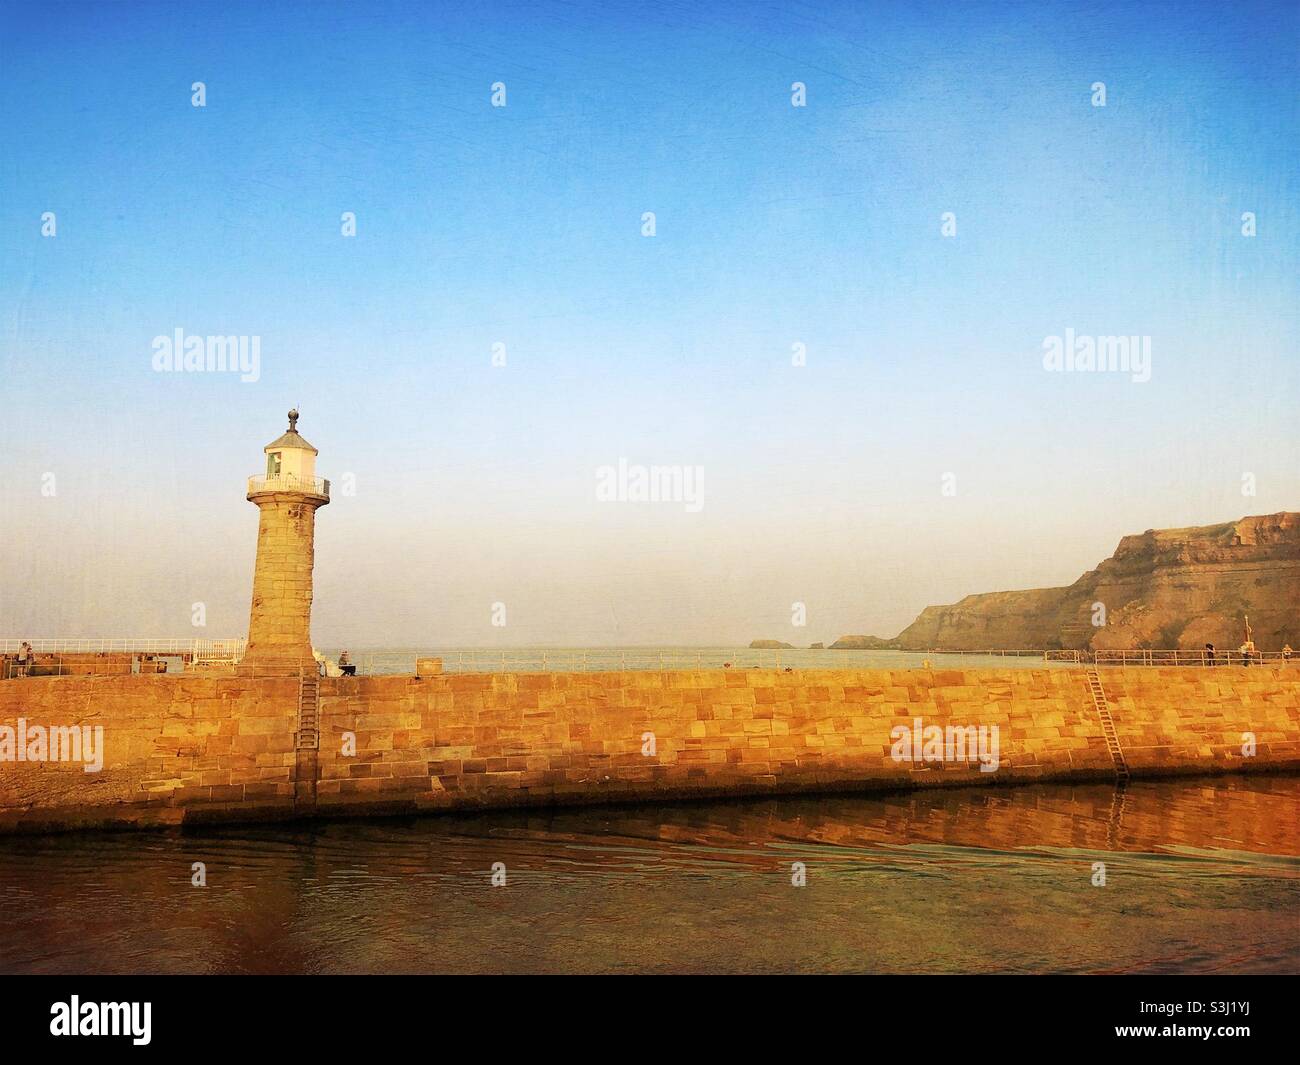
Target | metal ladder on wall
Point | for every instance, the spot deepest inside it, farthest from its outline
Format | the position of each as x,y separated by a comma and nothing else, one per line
308,735
1107,725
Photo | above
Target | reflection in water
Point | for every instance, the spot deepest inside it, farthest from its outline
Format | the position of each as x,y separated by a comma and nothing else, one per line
1201,876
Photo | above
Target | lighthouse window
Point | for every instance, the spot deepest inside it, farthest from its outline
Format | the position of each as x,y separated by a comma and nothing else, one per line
273,465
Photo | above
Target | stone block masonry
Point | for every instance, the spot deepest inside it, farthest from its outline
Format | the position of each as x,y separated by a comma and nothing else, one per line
280,617
188,748
176,748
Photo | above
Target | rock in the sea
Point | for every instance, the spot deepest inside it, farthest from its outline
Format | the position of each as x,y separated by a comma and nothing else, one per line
864,643
770,645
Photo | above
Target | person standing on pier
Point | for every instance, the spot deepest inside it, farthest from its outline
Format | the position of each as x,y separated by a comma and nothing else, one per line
1248,648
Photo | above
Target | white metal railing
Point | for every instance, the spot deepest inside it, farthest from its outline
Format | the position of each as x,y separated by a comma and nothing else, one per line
552,660
315,486
200,650
1195,658
1046,656
562,660
219,651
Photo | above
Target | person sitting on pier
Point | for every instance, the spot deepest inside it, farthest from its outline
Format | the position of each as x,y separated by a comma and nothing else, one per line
1287,652
325,666
345,664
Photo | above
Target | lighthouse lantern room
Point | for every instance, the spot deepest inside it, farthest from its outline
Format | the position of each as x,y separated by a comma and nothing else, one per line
290,460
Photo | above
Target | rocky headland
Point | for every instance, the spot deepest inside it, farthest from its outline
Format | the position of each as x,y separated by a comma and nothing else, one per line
1161,589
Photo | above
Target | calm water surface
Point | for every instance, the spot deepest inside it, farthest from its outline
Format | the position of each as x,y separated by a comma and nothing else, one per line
1202,876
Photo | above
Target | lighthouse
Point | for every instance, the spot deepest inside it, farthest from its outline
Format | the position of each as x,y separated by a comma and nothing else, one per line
287,496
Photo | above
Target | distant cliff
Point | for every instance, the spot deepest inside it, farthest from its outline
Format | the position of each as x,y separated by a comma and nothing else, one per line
770,645
1165,588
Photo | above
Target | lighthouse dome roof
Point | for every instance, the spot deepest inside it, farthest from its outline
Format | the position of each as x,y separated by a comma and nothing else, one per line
291,438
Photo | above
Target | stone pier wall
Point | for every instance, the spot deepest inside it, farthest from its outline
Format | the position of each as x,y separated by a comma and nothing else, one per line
190,748
65,664
176,747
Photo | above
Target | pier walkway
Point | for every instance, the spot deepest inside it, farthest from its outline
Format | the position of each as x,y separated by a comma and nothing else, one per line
79,655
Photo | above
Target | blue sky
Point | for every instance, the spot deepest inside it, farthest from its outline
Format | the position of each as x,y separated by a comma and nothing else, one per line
522,225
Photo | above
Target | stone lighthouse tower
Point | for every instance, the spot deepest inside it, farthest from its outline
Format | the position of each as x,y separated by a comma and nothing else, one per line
279,628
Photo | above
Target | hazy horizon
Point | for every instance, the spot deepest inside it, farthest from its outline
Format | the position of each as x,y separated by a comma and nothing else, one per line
776,227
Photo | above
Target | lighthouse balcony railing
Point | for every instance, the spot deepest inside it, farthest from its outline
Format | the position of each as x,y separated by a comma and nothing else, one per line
315,486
